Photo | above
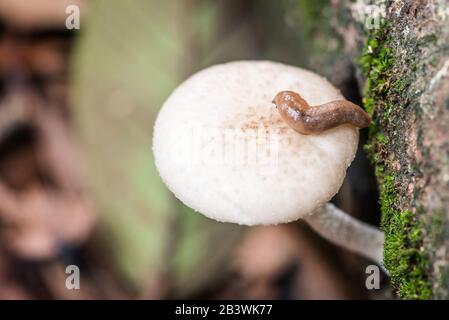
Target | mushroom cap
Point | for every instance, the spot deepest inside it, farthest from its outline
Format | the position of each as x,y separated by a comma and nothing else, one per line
222,148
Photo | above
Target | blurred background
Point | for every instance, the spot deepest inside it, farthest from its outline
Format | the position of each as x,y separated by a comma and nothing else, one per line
78,184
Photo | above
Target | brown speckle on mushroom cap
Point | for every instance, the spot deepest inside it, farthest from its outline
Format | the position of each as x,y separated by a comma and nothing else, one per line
222,148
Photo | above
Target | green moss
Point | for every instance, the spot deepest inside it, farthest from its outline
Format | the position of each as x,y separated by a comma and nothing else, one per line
403,254
375,62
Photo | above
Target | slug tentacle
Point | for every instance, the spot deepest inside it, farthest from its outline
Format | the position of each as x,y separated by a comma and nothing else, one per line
306,119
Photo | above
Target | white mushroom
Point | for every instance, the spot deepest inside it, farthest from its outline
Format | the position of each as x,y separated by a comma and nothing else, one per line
223,149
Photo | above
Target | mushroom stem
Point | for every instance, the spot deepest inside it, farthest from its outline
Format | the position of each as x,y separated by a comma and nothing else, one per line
342,229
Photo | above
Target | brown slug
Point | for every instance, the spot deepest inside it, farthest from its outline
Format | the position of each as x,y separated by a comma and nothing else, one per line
306,119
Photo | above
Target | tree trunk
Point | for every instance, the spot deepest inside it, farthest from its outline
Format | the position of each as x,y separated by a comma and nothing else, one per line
399,53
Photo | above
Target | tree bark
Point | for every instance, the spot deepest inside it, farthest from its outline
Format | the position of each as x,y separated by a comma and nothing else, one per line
399,53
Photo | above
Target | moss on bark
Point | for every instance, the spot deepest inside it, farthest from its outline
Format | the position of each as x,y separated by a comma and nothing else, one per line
403,256
402,66
398,61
